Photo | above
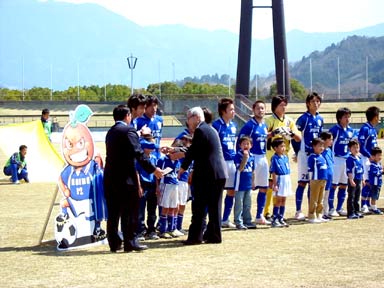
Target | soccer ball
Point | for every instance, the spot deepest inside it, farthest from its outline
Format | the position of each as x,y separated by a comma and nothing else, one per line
65,231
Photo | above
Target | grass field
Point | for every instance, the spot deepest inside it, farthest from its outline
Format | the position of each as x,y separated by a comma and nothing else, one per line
342,253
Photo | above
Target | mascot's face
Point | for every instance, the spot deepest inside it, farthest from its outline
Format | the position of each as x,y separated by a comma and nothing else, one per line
77,145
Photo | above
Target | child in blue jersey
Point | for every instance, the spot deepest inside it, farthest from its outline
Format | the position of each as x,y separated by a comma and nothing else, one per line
257,130
317,172
310,124
375,176
227,128
281,181
167,193
245,168
328,156
367,140
342,133
355,172
147,188
153,121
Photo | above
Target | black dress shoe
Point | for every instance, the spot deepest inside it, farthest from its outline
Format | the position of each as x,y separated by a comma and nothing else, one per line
116,248
134,245
212,241
189,242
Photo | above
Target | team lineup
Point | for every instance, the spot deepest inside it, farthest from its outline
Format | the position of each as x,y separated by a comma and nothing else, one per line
211,156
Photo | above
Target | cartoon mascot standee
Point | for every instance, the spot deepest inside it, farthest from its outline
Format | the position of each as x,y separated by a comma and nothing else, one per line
81,182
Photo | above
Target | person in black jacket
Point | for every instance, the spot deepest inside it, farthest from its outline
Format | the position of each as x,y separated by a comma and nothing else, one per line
209,176
121,182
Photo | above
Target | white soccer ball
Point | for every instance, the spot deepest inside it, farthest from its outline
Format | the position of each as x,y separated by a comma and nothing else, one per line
65,232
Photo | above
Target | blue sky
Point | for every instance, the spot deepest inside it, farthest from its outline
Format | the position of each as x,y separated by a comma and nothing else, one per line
305,15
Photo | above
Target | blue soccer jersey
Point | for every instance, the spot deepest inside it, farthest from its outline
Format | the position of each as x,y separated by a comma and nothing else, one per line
355,167
258,132
317,167
145,176
280,165
341,138
156,126
243,179
310,127
227,135
367,139
171,177
183,133
328,156
375,174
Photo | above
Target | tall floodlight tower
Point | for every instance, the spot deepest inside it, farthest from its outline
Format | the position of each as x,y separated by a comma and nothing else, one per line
280,48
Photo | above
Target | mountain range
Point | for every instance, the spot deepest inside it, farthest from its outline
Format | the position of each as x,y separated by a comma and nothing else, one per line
58,45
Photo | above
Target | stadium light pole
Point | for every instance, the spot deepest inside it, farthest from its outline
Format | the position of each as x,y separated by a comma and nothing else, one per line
131,65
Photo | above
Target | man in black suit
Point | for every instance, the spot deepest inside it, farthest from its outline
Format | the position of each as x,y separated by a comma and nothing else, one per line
121,182
208,179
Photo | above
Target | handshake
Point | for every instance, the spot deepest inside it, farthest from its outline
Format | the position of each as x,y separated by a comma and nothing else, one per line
285,132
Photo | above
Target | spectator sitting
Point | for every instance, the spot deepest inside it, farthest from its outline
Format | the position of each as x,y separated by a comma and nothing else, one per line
16,166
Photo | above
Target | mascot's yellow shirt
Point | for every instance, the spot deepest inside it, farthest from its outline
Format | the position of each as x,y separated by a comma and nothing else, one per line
273,122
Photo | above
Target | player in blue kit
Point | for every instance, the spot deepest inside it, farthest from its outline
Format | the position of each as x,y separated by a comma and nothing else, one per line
317,170
367,140
328,156
153,121
281,181
375,176
245,172
310,124
227,128
342,133
355,175
257,130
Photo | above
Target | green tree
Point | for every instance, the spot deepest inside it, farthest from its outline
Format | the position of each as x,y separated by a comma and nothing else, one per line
298,91
38,93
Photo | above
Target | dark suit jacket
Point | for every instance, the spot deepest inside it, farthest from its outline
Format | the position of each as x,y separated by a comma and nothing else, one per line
209,164
122,148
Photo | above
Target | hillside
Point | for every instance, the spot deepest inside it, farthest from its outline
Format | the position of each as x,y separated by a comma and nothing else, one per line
354,54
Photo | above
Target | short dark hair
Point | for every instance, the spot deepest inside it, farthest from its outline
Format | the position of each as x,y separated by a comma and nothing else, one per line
136,100
276,100
22,147
277,142
372,112
245,138
45,111
375,151
325,135
120,111
207,115
151,100
353,142
341,112
316,141
312,96
257,102
223,104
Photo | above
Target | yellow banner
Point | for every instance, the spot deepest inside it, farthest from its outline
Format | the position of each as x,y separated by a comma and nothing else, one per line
44,164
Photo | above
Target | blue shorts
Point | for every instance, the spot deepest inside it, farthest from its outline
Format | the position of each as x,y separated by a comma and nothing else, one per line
375,192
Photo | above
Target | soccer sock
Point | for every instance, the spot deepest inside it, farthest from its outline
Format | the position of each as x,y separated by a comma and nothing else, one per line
299,197
163,224
64,210
268,202
170,223
341,194
261,199
281,212
276,210
179,221
364,195
331,198
228,203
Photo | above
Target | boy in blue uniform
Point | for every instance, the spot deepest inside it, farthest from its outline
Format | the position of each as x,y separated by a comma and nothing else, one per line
226,128
167,193
136,103
257,130
245,168
375,176
310,124
16,166
342,133
355,175
153,121
367,140
147,190
317,171
281,181
328,156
